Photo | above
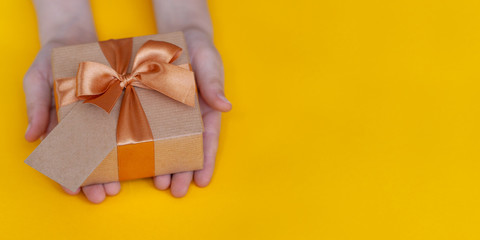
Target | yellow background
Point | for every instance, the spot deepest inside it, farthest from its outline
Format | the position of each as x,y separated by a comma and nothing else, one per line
351,120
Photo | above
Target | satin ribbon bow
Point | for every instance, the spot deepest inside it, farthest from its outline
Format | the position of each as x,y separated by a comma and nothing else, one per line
152,69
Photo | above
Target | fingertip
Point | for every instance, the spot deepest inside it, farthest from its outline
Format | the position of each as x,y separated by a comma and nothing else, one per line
36,128
214,96
112,188
162,182
201,180
178,193
222,103
218,101
94,193
31,135
180,184
203,177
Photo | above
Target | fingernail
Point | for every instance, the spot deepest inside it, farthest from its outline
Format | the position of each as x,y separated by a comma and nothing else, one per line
221,96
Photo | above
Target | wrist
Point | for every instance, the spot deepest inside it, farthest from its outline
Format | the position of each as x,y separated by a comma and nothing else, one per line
183,15
68,35
197,38
65,22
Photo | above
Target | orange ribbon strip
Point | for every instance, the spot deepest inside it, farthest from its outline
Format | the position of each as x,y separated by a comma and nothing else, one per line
102,85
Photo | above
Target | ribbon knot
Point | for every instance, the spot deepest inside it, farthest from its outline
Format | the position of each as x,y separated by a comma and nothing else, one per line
126,79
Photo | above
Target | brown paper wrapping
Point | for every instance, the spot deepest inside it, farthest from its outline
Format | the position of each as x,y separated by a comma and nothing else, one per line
81,150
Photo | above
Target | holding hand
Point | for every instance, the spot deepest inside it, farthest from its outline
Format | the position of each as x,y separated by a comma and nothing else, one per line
70,22
192,17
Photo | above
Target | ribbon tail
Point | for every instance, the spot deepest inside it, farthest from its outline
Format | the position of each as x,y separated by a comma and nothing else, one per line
107,100
135,146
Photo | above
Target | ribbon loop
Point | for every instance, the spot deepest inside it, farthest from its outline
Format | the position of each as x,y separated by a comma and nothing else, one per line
157,51
93,79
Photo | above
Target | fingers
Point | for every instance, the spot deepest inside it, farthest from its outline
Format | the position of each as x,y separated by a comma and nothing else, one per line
112,188
38,119
208,69
212,121
162,182
94,193
38,98
180,183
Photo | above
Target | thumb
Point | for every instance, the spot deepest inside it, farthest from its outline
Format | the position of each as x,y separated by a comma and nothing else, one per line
208,69
38,98
212,92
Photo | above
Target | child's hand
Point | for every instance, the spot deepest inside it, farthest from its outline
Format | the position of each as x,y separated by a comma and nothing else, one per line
208,68
42,117
192,17
60,23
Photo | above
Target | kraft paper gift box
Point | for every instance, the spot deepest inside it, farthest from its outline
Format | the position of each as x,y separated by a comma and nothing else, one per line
104,135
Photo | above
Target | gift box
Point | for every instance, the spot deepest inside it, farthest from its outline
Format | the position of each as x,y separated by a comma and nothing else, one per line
127,109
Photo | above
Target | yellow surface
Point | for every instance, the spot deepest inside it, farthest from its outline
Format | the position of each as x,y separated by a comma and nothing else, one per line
351,120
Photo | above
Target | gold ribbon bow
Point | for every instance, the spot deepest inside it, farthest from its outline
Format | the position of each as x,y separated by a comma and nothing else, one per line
102,85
